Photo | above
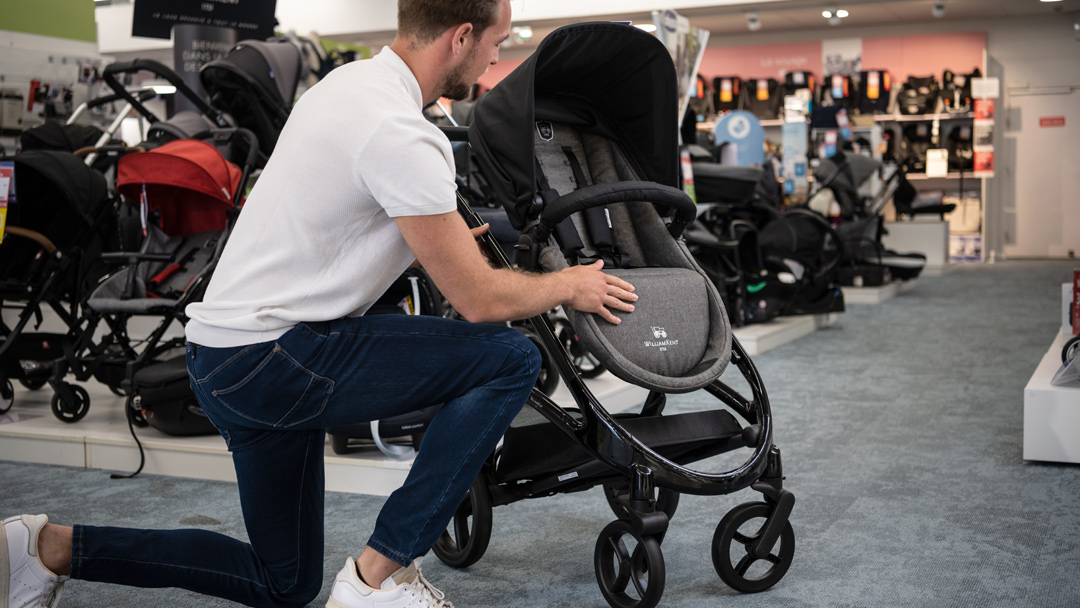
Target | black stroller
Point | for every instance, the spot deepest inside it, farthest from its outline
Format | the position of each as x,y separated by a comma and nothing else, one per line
256,83
59,223
566,152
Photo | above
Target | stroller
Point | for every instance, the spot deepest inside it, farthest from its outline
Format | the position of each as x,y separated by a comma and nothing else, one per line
59,222
865,261
188,195
256,84
566,152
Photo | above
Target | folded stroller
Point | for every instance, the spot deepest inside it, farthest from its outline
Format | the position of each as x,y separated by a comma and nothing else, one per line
566,152
59,222
188,195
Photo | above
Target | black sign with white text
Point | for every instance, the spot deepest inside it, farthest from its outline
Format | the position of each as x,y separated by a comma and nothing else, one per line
250,18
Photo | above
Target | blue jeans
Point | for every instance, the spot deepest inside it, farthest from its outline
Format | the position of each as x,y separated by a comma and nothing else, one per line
272,401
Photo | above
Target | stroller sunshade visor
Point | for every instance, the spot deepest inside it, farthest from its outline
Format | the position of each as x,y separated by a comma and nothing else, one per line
613,70
51,189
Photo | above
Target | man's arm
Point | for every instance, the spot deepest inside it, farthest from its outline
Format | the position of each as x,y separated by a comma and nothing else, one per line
446,248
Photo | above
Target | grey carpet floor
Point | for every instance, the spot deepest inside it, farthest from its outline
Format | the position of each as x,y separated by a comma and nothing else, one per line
901,429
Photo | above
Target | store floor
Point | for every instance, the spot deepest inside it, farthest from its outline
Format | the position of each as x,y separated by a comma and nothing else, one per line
901,429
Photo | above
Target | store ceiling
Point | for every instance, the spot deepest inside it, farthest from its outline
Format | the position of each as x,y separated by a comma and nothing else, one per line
799,15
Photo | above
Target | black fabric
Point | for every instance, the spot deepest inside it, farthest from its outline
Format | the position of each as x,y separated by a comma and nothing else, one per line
53,135
736,102
724,183
918,96
534,451
593,69
768,108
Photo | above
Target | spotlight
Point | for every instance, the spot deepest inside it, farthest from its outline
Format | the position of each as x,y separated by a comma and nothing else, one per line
841,13
753,23
939,8
826,14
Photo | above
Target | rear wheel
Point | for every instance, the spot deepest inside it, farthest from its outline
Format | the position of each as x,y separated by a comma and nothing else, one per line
7,395
466,538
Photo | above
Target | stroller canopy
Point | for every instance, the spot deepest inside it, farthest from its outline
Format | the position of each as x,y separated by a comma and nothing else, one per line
844,174
603,76
55,194
256,84
188,182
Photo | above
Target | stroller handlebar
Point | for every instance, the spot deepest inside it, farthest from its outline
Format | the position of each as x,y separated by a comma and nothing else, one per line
158,69
599,195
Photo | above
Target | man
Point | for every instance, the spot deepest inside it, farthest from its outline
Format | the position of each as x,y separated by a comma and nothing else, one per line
359,186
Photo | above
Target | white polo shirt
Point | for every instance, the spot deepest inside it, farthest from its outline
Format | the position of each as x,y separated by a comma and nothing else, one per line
316,240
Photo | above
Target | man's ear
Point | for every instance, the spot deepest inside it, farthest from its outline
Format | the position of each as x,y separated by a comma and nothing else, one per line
461,37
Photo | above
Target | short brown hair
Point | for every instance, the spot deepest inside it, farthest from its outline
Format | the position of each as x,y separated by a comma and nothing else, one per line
426,20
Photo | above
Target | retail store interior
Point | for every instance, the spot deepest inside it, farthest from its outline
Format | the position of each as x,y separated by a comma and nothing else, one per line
883,194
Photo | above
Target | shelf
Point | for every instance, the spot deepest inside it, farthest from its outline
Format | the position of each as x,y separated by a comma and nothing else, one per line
922,176
922,117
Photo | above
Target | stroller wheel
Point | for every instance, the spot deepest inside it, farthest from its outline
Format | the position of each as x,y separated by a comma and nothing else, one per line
587,365
71,410
7,395
466,539
1071,349
548,380
616,494
738,566
629,568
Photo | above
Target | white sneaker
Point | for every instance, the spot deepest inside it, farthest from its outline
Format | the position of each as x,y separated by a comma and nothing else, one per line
406,588
25,582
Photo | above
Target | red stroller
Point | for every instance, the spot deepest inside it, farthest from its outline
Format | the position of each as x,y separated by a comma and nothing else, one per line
188,195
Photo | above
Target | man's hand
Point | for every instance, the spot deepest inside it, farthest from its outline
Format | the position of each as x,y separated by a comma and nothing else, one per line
596,291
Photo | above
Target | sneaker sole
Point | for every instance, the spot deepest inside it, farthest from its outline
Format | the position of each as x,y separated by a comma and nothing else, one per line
5,567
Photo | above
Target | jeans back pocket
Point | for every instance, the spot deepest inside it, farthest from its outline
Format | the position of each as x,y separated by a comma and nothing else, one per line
278,392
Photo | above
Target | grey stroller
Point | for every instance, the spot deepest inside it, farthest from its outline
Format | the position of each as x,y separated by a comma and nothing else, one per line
586,176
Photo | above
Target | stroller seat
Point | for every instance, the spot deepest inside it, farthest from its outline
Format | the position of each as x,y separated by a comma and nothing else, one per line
678,338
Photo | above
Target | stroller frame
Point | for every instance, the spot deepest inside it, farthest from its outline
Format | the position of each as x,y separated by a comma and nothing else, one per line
650,480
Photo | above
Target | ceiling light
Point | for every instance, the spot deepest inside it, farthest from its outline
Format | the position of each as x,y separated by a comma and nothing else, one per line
841,13
646,27
1049,0
753,23
826,14
522,34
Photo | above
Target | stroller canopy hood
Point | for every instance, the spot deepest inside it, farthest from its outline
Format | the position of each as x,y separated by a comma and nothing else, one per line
41,175
600,75
187,180
275,68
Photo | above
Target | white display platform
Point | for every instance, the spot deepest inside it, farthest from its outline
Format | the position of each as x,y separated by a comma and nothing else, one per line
877,295
30,433
1051,413
927,236
760,337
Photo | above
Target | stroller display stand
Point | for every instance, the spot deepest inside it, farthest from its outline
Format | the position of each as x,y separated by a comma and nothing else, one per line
558,145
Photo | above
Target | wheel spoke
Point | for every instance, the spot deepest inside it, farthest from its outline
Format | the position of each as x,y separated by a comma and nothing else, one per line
619,551
744,564
774,559
742,539
640,570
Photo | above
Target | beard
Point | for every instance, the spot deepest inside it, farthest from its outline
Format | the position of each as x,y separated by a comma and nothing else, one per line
454,84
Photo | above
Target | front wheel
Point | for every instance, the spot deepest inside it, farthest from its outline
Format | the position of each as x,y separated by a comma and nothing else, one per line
733,547
629,568
71,410
7,395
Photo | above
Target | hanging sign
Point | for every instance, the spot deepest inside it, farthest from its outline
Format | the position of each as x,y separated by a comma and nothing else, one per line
250,18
